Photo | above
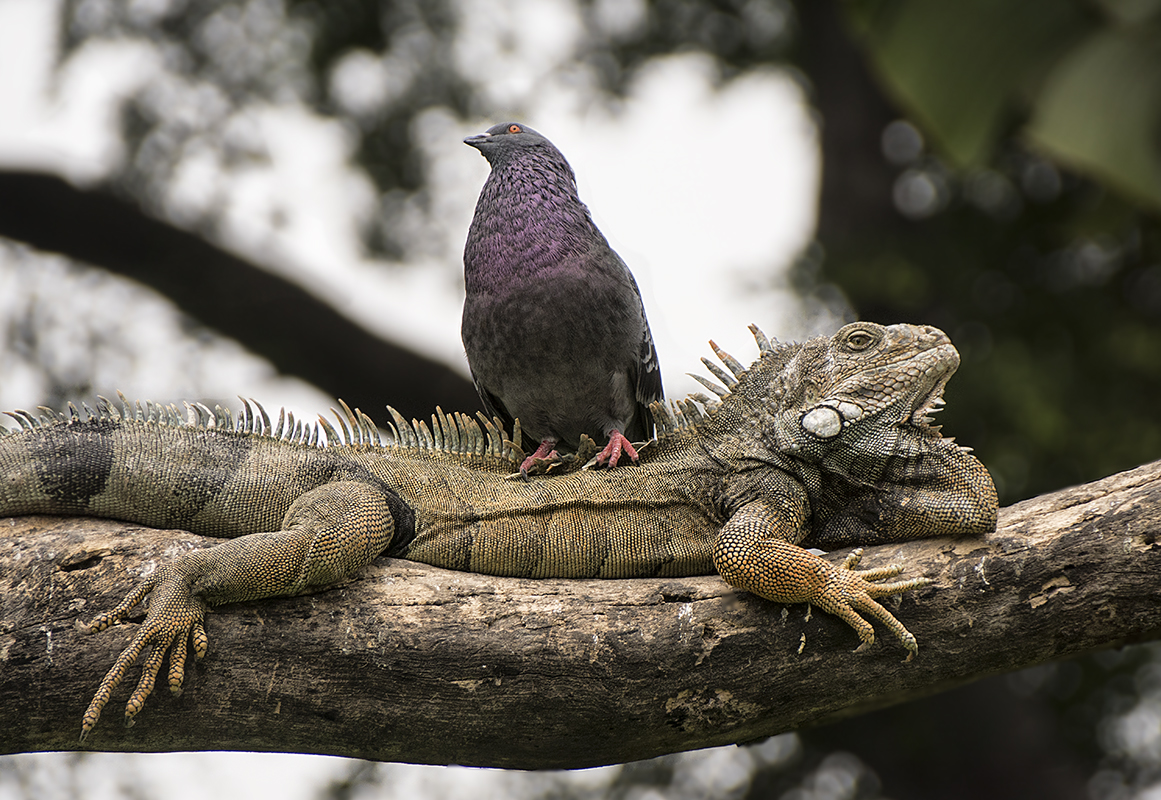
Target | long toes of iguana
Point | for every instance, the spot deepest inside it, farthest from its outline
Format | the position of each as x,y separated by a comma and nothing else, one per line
104,692
174,617
200,640
853,558
177,655
868,606
852,594
879,573
110,618
145,684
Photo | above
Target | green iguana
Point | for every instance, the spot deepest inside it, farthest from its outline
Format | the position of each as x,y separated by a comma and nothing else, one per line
823,444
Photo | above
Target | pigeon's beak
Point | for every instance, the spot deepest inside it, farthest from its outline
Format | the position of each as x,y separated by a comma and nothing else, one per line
478,139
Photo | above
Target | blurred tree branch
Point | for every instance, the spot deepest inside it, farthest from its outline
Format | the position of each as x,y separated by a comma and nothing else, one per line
412,663
272,317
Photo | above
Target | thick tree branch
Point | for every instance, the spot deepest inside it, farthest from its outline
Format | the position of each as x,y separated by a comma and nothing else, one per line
270,316
413,663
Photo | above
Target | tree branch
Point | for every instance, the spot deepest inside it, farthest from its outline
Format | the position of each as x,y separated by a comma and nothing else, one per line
272,317
413,663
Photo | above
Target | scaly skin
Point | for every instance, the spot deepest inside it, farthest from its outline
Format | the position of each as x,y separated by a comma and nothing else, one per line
823,443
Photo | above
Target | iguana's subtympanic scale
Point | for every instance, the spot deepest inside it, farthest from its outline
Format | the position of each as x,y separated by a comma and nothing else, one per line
820,444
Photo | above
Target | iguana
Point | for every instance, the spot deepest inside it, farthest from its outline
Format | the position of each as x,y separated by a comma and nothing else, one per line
825,444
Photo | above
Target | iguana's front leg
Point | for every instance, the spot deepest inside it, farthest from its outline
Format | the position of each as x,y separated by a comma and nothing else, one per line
752,553
328,534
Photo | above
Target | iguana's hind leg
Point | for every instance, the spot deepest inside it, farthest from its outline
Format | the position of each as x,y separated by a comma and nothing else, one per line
753,553
328,534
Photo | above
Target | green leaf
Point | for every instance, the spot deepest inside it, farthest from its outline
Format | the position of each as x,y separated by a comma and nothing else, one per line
964,68
1100,112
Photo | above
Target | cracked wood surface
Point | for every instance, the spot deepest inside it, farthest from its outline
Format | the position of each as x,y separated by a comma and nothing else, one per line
413,663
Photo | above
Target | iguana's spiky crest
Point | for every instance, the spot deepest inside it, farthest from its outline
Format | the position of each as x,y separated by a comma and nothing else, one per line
679,415
455,434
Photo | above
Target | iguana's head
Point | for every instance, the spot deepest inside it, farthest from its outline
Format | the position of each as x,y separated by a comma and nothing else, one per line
865,379
863,389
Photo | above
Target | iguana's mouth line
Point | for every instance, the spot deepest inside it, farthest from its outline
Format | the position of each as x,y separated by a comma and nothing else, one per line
931,403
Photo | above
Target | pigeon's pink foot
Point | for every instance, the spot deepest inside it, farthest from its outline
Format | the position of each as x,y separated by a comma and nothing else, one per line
617,445
543,453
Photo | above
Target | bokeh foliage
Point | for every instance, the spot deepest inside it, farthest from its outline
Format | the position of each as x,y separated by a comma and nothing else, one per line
221,59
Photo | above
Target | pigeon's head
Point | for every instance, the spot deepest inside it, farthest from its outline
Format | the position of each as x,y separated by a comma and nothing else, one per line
508,140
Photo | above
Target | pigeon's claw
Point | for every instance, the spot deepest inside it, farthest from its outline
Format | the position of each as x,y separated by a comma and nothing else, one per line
617,446
545,454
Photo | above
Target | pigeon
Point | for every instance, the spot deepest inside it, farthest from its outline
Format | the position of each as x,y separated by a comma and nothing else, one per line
553,325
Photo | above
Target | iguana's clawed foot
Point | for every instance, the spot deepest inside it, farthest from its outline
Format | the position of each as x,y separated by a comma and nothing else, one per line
785,573
849,592
174,616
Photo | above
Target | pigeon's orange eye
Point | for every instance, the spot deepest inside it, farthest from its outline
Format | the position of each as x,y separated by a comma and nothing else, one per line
513,129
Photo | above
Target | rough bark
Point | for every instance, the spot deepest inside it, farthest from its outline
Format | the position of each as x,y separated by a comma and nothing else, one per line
413,663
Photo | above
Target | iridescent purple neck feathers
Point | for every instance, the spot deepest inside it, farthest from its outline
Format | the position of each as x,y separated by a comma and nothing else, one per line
528,218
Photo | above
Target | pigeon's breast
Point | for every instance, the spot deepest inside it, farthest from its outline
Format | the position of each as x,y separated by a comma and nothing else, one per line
557,348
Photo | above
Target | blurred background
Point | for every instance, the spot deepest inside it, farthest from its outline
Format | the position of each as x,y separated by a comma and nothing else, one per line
269,198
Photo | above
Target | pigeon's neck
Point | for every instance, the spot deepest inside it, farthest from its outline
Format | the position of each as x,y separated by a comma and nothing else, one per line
529,219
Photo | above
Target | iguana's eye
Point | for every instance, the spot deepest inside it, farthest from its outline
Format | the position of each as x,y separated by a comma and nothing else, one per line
811,393
860,340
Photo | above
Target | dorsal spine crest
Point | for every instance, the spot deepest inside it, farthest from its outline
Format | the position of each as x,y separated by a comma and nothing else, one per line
455,434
